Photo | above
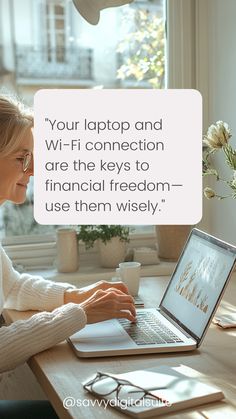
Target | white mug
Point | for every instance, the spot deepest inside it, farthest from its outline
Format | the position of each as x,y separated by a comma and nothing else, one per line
129,273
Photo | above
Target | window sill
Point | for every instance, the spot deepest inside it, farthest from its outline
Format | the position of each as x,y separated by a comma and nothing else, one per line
39,252
89,274
89,269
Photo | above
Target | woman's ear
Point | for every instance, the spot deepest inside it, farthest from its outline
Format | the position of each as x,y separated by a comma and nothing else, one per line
90,9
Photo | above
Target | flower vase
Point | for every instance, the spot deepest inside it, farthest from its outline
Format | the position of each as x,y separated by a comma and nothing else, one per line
171,240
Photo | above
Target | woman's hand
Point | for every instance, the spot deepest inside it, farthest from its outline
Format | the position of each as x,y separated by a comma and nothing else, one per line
79,295
109,304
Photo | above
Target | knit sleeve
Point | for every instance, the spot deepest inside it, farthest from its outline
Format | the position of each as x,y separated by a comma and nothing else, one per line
28,292
24,338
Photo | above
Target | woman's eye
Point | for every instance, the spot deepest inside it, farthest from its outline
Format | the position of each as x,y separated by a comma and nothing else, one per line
20,158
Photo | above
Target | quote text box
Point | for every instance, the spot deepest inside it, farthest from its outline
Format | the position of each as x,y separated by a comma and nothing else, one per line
118,156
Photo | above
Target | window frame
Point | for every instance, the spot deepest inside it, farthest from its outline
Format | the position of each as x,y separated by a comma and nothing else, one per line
186,23
187,48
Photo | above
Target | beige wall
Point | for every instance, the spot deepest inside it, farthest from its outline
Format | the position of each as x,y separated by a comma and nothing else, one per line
222,100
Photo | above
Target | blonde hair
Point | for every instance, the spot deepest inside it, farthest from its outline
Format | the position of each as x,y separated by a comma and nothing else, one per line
15,120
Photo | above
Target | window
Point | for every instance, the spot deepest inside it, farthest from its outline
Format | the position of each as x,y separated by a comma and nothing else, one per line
142,46
55,33
52,46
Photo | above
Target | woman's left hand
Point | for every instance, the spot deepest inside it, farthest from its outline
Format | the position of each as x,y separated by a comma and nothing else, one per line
79,295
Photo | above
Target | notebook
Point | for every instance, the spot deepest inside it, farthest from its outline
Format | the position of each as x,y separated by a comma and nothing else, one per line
184,314
174,391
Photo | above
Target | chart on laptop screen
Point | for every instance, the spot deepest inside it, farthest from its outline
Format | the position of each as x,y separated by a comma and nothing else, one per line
197,283
200,275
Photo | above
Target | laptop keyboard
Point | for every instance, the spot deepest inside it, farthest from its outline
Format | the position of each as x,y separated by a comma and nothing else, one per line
149,330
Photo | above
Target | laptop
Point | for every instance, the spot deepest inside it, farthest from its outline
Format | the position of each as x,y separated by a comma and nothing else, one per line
184,314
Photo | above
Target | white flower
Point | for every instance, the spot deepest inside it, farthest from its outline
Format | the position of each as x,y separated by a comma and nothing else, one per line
209,193
217,139
218,135
233,183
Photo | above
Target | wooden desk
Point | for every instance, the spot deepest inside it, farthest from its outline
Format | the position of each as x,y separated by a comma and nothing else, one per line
60,372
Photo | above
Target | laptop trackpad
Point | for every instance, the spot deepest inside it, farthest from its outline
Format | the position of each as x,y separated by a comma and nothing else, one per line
106,329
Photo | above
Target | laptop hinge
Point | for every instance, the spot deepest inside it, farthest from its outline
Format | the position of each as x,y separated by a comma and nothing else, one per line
175,324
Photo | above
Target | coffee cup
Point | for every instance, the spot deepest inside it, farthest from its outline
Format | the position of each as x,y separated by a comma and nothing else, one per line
129,273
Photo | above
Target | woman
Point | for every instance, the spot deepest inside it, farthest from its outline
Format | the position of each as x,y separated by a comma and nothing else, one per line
63,308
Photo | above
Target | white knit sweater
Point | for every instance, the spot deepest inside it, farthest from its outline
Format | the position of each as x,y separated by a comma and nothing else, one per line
25,338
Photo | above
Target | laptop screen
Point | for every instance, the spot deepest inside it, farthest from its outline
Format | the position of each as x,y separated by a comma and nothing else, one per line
198,280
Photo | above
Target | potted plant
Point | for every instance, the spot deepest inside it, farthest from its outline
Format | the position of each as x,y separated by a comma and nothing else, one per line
111,241
217,139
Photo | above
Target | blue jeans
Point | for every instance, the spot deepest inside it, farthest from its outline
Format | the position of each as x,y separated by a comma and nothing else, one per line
26,409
